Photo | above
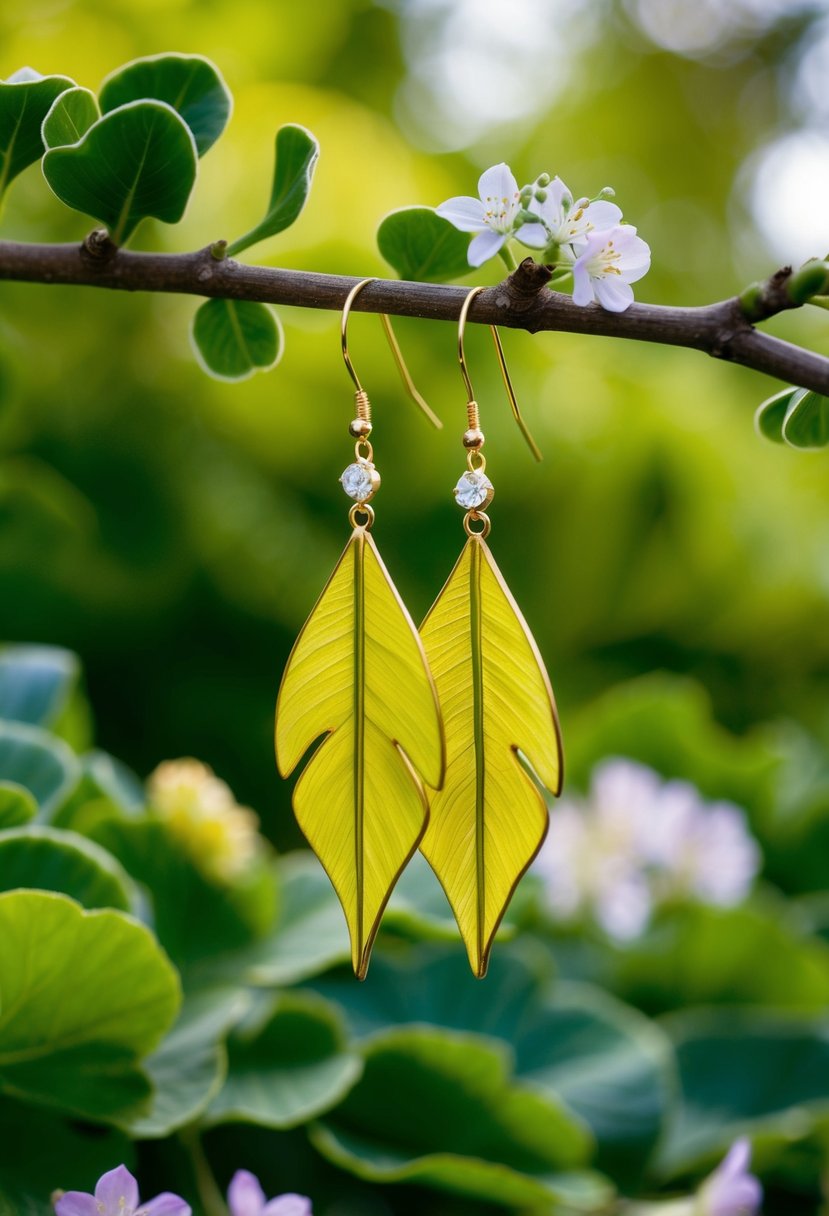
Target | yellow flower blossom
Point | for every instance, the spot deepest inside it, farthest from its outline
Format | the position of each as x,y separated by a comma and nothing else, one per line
204,817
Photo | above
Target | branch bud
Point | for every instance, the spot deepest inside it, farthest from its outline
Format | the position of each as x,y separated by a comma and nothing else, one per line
812,279
750,300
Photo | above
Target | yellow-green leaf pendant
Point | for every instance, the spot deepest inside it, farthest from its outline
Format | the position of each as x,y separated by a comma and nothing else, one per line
489,820
358,675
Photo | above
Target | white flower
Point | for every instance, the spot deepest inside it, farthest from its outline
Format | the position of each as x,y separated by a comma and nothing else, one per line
562,223
703,851
492,215
592,858
202,814
638,841
607,263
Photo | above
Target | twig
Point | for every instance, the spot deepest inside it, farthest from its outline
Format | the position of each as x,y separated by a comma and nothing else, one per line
522,301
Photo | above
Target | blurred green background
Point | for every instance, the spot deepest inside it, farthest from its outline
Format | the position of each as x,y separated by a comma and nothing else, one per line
175,531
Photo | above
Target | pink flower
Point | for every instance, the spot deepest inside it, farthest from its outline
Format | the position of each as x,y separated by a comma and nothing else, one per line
731,1190
245,1197
116,1194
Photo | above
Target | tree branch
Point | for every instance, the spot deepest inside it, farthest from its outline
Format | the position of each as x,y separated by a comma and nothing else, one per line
522,301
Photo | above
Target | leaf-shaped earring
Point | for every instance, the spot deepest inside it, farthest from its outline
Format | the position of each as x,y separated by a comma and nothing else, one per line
490,818
358,676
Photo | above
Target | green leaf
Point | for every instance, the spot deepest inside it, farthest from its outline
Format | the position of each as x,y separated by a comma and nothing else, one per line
296,153
195,918
70,117
36,682
286,1065
609,1063
191,84
235,338
135,162
770,415
666,722
86,995
47,859
39,762
696,955
190,1066
420,244
457,1122
806,424
744,1071
25,99
17,805
309,935
76,1157
107,789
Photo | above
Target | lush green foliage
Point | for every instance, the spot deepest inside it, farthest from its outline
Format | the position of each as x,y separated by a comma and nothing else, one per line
537,1091
175,532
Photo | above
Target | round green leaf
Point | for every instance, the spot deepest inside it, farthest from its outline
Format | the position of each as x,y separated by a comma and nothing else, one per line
287,1066
420,244
137,161
39,762
697,955
309,935
771,414
48,859
69,119
36,682
235,338
189,1067
744,1071
191,84
106,790
16,805
806,424
609,1063
25,99
456,1121
296,154
85,995
196,917
76,1156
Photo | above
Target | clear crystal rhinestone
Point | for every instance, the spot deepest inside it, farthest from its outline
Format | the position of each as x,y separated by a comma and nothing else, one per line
472,490
359,481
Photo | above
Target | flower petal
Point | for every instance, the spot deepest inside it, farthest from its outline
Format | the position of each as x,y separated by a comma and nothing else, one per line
603,215
498,184
613,293
467,214
245,1196
76,1203
582,285
288,1205
635,260
117,1191
484,246
552,209
737,1160
166,1205
534,235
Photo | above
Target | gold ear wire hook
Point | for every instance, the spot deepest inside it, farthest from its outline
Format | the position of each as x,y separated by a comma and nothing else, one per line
502,363
391,338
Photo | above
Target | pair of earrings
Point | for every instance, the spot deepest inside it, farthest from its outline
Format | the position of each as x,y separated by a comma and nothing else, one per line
441,739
